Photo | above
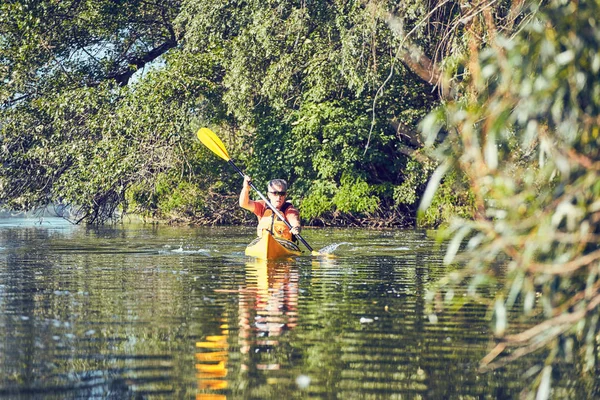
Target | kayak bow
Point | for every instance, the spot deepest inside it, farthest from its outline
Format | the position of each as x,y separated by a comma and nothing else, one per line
268,247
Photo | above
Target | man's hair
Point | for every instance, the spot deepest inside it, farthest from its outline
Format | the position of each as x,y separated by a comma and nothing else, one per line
278,182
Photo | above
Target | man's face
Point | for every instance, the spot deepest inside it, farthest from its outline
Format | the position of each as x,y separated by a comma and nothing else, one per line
276,196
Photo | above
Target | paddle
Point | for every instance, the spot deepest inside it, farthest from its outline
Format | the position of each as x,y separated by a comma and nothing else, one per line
214,144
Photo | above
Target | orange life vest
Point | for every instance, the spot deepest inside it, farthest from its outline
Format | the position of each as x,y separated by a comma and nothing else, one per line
270,222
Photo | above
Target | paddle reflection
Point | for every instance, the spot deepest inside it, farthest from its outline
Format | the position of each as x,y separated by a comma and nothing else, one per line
211,364
268,307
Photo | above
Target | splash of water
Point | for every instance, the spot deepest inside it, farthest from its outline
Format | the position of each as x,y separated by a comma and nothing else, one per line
183,250
331,248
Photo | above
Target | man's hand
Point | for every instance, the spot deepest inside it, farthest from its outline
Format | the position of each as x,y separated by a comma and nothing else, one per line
295,230
247,181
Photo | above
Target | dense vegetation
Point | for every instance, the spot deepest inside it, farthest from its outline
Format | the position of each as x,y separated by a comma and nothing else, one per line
525,131
100,101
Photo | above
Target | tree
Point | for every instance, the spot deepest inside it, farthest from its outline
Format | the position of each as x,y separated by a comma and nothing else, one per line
76,129
308,79
281,77
78,43
524,130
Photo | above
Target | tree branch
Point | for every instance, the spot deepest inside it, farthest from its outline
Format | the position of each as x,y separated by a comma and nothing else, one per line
122,78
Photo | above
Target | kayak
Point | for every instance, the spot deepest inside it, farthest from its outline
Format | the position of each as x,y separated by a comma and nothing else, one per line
268,247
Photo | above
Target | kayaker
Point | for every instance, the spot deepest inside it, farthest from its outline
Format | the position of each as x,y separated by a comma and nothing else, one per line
267,220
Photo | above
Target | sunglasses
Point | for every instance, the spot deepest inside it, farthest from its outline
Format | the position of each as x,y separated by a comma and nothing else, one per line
278,193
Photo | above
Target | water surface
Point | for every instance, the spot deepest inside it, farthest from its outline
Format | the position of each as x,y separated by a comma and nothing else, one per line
175,312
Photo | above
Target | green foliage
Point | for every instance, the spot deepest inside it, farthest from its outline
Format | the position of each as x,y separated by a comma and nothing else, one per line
168,197
55,45
319,200
331,176
416,175
87,146
526,135
300,78
452,199
355,196
312,93
334,135
183,200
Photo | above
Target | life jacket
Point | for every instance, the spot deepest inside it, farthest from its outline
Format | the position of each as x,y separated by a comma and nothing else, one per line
269,221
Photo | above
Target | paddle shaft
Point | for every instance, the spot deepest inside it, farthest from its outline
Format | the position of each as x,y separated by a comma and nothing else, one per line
268,203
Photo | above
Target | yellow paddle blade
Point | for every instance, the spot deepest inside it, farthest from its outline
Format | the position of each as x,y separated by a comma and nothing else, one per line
212,141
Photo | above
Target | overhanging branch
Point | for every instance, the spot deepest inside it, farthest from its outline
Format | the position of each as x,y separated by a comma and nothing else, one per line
136,63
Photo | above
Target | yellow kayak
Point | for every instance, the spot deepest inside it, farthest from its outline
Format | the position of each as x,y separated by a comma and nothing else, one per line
268,247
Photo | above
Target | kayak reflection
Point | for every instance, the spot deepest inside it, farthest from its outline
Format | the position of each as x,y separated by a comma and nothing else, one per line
267,308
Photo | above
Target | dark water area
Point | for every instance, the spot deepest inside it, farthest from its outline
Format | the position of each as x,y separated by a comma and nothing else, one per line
143,312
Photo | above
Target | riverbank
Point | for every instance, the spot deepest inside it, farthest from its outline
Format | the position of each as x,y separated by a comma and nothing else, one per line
227,214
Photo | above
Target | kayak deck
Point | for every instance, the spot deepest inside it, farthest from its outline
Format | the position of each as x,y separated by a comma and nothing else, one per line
268,247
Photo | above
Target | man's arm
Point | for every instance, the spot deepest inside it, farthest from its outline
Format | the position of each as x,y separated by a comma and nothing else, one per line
245,201
294,220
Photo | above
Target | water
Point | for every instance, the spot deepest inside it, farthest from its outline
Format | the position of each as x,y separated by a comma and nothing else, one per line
162,312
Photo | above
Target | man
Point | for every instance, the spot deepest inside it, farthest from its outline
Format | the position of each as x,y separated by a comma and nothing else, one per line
267,220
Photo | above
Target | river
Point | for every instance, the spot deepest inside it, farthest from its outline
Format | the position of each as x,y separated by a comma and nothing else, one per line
143,311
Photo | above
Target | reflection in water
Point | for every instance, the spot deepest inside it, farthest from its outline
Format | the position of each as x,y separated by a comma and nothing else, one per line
64,331
267,308
211,364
